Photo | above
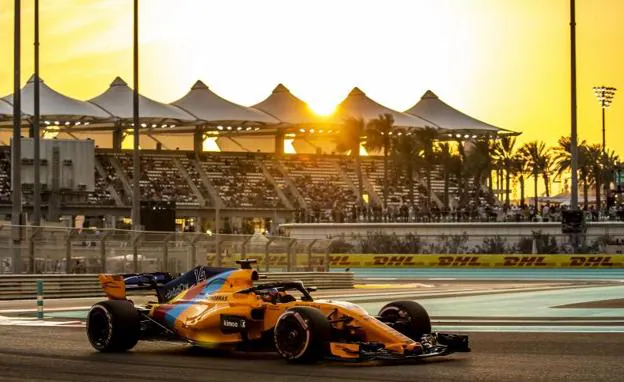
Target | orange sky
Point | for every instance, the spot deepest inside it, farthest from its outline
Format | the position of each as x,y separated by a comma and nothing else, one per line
503,61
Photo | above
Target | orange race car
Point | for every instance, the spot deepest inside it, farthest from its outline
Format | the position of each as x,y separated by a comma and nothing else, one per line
217,307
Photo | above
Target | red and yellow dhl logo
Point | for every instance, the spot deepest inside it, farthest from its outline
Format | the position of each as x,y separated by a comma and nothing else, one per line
526,261
398,261
459,261
591,261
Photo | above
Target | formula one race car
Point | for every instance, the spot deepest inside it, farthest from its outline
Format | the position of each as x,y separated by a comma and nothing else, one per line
217,307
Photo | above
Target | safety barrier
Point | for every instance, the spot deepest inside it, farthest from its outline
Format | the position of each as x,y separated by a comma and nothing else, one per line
475,261
18,287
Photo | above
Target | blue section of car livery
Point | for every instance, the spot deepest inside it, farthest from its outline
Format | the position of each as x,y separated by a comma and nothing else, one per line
212,285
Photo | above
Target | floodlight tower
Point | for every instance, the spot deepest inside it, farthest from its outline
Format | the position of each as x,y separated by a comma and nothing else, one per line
605,96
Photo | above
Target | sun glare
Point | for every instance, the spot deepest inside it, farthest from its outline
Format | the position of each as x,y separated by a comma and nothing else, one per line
210,144
289,148
322,108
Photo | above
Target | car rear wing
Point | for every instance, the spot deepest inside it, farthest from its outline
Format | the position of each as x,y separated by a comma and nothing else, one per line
166,285
116,286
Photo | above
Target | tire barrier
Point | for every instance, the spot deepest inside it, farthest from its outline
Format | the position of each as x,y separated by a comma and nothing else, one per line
24,287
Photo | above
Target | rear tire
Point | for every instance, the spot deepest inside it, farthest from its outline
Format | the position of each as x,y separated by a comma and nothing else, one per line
302,335
113,326
407,317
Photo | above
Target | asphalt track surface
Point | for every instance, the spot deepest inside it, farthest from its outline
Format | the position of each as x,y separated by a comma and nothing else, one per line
53,354
63,353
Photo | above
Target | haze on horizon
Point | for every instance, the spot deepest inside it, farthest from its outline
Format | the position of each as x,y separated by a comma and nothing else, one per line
505,62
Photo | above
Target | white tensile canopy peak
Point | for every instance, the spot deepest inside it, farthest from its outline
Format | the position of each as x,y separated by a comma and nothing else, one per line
358,105
118,101
286,107
432,108
207,106
56,106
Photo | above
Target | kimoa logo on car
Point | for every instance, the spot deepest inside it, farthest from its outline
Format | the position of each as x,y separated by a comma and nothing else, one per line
234,324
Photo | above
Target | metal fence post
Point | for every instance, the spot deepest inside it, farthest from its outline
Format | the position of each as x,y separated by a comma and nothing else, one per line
244,247
194,250
310,254
166,240
34,231
267,256
218,257
103,238
289,255
68,251
328,253
135,252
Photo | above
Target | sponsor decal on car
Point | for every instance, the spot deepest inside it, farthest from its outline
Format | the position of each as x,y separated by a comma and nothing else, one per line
233,324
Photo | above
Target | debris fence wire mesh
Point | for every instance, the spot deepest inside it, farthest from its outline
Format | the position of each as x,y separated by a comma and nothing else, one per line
72,250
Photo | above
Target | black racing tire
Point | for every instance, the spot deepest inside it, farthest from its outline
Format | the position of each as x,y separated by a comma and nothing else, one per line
302,335
113,326
407,317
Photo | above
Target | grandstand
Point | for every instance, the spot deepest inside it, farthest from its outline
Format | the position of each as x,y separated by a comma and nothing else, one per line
213,158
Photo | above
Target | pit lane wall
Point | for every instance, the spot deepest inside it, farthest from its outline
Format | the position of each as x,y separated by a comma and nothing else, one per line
475,261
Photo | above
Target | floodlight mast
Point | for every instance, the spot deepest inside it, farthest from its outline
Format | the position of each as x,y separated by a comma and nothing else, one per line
605,96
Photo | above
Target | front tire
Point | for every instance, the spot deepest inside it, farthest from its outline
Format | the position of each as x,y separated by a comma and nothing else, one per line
407,317
113,326
302,335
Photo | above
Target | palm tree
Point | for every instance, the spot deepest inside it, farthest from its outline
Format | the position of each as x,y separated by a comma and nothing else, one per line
518,168
348,140
425,138
596,175
538,159
477,163
447,158
405,151
505,154
610,161
378,134
563,162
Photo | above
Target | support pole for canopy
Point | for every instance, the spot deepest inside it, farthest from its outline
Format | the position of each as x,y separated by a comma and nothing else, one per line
136,192
16,163
36,129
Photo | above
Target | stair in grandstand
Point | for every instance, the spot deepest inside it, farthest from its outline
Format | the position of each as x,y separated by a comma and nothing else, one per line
239,180
283,182
192,182
280,188
318,181
346,166
398,185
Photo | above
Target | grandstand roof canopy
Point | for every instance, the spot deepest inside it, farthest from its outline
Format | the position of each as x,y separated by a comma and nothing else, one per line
207,106
289,109
358,105
432,108
117,100
56,106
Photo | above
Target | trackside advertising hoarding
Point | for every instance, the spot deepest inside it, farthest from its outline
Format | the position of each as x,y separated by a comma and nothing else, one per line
443,261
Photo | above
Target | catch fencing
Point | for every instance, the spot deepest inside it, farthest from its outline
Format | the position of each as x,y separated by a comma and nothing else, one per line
44,250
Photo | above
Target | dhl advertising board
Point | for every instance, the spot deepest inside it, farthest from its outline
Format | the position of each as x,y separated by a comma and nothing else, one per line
441,261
